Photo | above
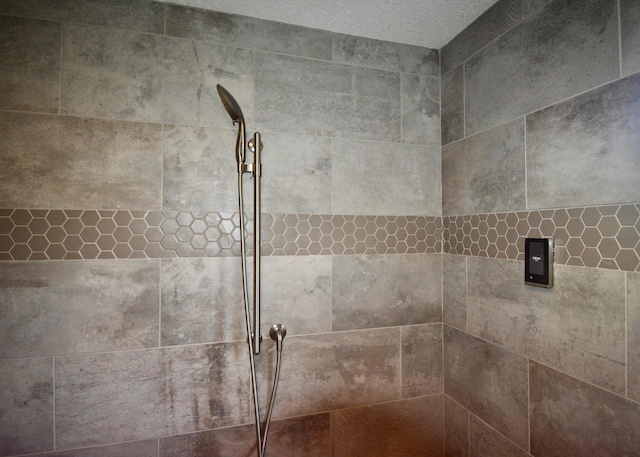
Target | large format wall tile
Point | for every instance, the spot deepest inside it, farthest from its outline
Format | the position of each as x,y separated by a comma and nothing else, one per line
307,436
456,426
421,360
630,30
454,290
127,75
563,49
577,326
67,307
141,15
489,381
485,173
340,369
296,292
26,405
121,396
79,163
296,174
385,55
569,417
585,151
385,178
486,442
199,169
452,105
202,300
379,291
633,336
30,62
420,109
494,22
303,96
405,428
148,448
248,32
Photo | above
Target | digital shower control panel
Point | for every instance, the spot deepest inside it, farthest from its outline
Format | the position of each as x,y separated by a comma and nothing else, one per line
538,264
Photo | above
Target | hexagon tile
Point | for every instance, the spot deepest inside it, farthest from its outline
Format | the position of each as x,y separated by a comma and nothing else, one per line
32,234
603,236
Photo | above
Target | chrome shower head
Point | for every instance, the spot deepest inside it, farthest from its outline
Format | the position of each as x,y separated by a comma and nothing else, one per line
230,104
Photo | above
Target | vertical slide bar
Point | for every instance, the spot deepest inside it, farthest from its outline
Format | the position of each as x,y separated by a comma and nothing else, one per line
257,170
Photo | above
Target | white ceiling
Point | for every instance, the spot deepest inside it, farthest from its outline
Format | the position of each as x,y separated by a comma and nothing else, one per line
429,23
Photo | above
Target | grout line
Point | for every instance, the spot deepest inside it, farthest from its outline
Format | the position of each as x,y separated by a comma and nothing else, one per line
626,335
62,27
53,401
620,55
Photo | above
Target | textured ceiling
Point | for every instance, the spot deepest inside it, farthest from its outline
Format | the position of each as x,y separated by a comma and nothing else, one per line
429,23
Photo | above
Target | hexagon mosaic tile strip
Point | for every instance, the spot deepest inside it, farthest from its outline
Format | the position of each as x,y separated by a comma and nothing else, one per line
603,237
28,234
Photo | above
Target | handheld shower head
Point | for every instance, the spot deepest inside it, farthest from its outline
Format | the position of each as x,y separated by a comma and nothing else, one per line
230,104
233,109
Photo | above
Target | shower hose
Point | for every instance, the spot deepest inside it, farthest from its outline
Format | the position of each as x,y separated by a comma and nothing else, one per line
261,436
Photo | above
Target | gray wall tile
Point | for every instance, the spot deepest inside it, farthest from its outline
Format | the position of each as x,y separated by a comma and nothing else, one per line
199,165
630,30
141,15
121,396
307,436
248,32
378,291
128,75
454,290
296,173
79,163
296,291
585,151
485,173
409,427
452,105
456,426
342,369
577,326
489,381
421,360
531,6
385,178
569,417
26,405
202,300
633,336
147,448
385,55
564,49
30,62
312,97
420,109
77,306
494,22
486,442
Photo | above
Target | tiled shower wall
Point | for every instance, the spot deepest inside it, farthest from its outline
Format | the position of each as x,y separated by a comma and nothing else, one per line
540,116
121,329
